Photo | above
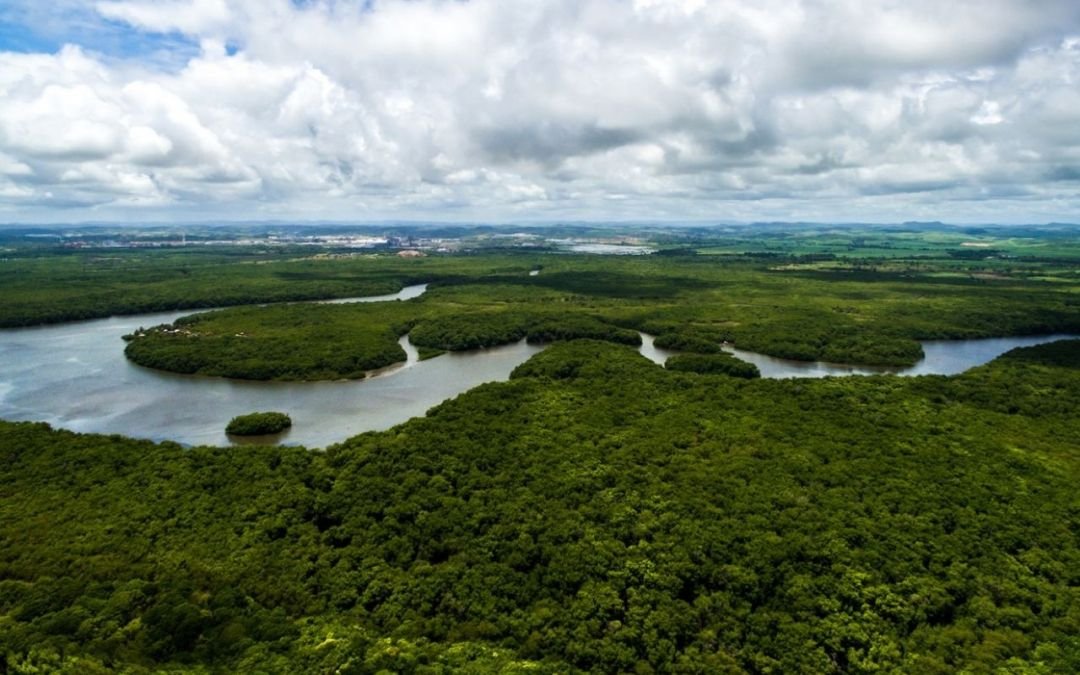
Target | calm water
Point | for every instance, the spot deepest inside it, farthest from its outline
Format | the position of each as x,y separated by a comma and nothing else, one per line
652,352
407,293
75,376
942,357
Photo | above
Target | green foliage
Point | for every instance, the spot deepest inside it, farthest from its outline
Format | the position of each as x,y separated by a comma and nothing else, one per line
594,514
164,547
618,281
687,342
586,358
863,312
312,342
258,424
279,342
552,328
712,364
692,304
70,286
474,330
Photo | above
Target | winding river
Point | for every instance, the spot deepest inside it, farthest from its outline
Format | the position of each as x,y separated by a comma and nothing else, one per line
940,357
75,376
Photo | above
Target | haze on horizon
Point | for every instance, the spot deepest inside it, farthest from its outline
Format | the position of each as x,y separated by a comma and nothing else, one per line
681,110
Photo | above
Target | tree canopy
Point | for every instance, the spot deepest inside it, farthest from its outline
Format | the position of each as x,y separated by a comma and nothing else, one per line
596,513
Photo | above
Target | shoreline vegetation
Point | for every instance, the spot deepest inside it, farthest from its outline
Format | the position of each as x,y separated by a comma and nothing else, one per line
693,305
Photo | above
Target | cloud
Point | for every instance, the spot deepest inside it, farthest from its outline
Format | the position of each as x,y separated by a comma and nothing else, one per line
494,109
193,17
856,43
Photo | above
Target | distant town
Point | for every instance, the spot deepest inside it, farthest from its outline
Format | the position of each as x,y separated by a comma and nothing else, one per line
409,240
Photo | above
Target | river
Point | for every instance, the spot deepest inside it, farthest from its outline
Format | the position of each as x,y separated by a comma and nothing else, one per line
75,376
940,357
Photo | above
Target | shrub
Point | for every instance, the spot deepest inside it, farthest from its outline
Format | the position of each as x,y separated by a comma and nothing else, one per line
258,424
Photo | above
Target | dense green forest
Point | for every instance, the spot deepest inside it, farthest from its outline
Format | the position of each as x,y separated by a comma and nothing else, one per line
712,364
282,342
596,513
691,303
70,286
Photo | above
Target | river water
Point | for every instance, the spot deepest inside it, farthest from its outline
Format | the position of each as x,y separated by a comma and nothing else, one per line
941,357
75,376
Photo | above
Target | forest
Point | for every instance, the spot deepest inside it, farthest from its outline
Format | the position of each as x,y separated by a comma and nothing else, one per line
691,304
565,522
596,513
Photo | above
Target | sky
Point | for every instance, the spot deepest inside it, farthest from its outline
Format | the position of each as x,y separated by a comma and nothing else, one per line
963,111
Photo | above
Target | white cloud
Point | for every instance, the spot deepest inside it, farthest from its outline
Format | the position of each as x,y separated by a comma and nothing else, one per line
194,17
505,108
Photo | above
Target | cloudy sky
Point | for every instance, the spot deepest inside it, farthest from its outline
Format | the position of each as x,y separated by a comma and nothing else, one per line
534,110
